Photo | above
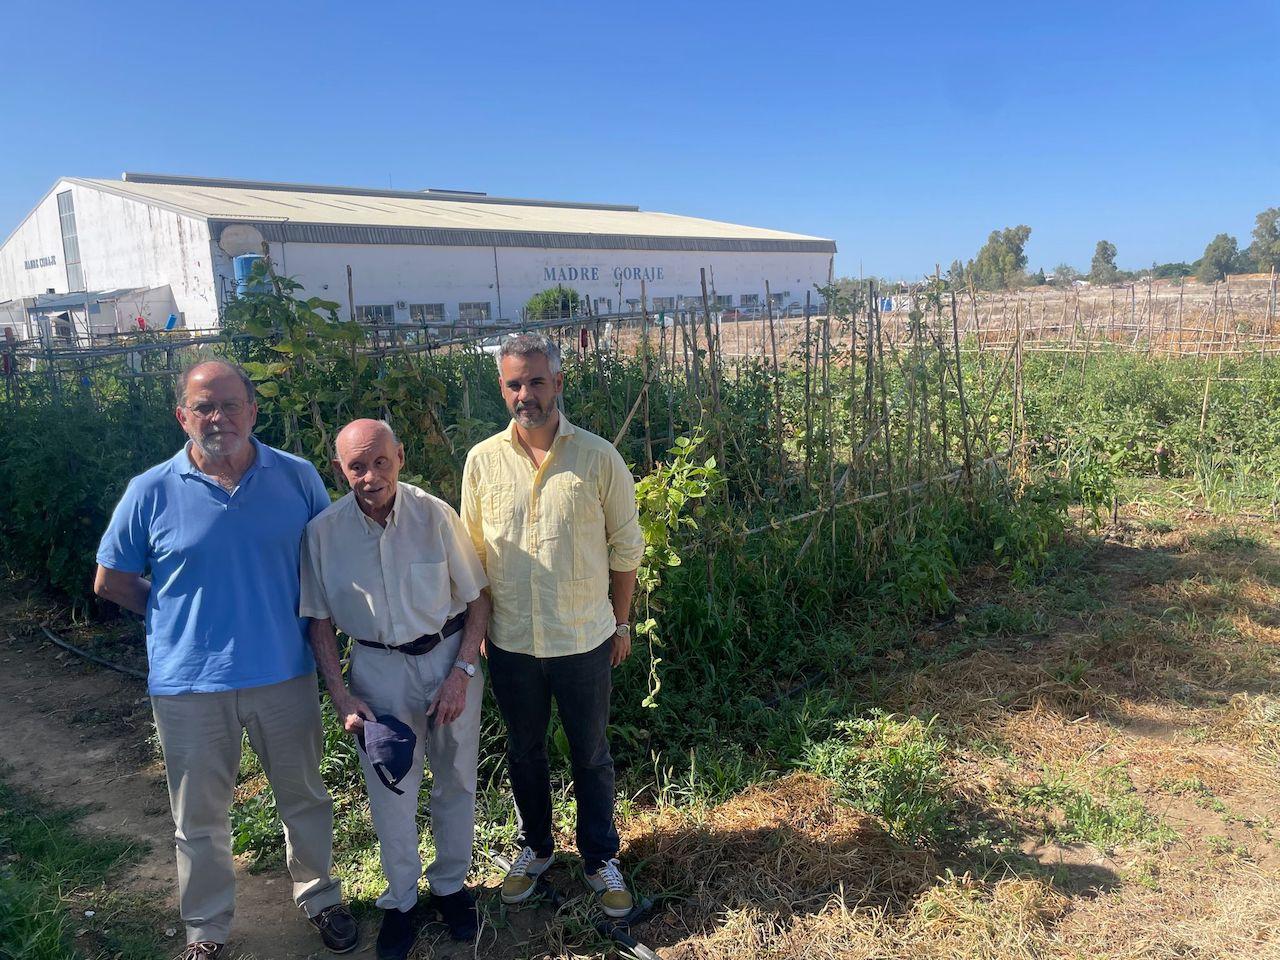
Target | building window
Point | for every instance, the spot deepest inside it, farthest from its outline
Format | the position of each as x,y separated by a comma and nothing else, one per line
604,305
749,300
779,299
70,241
376,313
476,312
426,312
664,303
722,301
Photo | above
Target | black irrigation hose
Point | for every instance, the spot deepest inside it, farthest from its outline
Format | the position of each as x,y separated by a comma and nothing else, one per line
127,671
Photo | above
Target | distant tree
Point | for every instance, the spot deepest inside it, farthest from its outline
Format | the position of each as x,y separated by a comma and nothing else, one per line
1245,261
1001,262
956,274
1266,239
1038,277
1065,273
1219,257
1171,271
1102,268
552,303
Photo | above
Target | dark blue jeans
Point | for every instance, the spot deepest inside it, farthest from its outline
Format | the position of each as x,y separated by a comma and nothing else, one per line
581,685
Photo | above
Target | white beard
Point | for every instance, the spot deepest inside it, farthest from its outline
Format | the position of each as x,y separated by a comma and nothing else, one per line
221,444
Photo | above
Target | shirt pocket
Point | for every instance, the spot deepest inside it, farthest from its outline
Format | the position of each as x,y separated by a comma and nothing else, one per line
501,535
428,592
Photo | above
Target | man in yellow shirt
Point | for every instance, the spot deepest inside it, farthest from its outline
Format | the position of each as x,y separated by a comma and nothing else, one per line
551,510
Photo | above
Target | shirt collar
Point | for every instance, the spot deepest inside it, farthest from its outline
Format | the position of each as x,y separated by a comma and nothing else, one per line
372,524
263,457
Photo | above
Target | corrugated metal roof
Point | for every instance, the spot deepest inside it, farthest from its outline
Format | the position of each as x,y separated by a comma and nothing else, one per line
340,214
62,301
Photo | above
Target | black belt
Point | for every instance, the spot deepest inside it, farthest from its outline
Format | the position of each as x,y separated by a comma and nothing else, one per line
425,643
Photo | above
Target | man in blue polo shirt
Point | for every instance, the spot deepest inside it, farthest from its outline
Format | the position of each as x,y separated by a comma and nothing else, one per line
219,528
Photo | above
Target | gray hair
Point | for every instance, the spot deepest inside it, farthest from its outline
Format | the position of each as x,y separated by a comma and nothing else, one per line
526,345
180,385
382,423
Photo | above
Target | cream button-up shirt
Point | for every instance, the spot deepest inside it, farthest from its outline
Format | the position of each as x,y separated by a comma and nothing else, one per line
548,537
389,584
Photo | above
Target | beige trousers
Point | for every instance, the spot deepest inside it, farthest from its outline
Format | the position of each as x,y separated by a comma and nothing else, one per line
404,686
201,736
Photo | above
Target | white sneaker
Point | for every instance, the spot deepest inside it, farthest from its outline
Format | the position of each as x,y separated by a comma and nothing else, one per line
615,898
522,879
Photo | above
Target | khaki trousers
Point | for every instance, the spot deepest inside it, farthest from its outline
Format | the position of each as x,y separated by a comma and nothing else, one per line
201,736
404,686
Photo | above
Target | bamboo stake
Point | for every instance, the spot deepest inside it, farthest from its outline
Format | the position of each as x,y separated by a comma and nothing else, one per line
808,397
777,382
714,368
644,338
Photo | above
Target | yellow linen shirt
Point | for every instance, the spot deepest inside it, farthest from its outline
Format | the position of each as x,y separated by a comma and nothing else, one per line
388,584
548,537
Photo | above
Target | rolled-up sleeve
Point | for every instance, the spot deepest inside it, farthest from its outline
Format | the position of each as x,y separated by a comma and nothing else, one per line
313,601
621,518
472,517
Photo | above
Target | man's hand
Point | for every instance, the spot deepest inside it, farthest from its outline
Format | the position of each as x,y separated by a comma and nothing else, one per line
451,699
352,711
621,649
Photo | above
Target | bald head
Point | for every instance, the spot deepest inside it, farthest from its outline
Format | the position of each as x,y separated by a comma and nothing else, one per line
370,457
361,432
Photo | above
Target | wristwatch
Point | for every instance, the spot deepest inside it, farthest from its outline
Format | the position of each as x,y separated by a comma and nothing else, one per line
623,630
468,668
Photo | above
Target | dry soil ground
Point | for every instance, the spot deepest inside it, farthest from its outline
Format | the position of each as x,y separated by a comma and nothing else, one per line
1114,728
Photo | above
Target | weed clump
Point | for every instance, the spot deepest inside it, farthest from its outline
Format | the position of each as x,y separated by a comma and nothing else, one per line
894,768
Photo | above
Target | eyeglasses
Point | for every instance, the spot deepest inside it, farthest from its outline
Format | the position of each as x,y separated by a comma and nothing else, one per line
205,408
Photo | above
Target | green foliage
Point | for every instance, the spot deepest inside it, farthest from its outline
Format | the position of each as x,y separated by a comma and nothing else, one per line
1218,259
1064,273
64,462
1110,816
549,304
1000,263
1266,239
664,499
894,768
1172,271
1102,268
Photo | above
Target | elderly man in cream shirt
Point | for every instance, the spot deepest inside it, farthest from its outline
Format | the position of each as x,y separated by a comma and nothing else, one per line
394,568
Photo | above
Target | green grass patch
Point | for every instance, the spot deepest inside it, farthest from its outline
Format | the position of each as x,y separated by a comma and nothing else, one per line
1107,814
892,767
1227,539
1004,620
55,899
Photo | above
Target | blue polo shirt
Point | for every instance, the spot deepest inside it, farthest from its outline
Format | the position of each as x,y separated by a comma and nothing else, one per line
223,609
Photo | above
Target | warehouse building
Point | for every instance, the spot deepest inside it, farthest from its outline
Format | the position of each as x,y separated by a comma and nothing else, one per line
159,250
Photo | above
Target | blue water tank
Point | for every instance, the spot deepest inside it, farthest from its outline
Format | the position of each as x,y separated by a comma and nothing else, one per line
243,266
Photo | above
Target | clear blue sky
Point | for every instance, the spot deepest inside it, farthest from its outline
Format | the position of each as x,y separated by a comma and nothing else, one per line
906,132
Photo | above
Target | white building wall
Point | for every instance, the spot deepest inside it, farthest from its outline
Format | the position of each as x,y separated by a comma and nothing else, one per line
506,277
31,258
123,243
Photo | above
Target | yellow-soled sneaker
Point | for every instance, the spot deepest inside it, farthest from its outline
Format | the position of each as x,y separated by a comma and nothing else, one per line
522,879
615,898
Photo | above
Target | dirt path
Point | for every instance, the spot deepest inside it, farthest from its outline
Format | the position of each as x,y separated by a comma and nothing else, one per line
79,735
